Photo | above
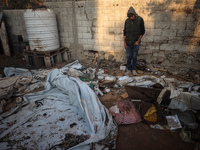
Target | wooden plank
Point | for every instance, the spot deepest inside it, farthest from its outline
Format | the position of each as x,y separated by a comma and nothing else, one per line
4,39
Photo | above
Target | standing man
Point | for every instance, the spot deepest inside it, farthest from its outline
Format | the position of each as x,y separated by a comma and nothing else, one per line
133,32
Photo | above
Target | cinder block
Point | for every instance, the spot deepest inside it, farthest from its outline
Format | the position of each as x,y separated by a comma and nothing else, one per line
147,38
109,24
103,42
166,47
86,23
181,25
118,38
168,32
162,25
162,39
83,29
88,47
87,35
91,42
115,43
115,30
119,49
108,49
109,37
154,46
82,41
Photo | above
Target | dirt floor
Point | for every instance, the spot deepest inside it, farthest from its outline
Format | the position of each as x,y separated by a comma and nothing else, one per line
141,137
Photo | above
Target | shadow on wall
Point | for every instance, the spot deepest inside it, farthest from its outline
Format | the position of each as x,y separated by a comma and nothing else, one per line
179,40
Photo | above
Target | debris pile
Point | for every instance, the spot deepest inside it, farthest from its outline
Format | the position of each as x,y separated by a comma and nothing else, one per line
67,113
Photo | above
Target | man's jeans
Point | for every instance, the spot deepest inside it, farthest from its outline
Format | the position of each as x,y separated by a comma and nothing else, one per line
132,52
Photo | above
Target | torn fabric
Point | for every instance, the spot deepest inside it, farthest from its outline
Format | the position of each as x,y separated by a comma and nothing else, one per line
48,117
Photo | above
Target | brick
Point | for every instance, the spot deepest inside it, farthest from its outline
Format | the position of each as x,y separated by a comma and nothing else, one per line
115,30
69,40
191,25
82,41
98,48
147,38
86,23
178,25
103,42
167,32
83,29
162,39
180,47
108,49
114,17
162,25
87,35
109,37
109,24
166,47
115,43
185,33
118,38
81,17
152,46
119,24
92,42
80,35
88,47
119,49
150,25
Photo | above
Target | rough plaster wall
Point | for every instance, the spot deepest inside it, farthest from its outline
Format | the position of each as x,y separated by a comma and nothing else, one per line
172,28
15,24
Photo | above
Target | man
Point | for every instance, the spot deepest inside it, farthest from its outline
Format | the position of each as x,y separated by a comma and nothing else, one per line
133,32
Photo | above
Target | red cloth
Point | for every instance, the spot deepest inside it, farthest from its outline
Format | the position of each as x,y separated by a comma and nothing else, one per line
128,113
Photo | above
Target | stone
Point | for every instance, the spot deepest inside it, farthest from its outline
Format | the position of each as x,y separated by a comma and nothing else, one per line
111,57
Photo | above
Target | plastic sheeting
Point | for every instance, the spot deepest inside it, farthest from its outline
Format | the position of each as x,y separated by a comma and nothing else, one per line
11,71
45,121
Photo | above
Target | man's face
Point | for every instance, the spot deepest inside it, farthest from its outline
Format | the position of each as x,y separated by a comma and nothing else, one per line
132,17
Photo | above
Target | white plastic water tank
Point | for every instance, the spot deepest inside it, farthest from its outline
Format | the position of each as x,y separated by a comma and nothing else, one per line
42,29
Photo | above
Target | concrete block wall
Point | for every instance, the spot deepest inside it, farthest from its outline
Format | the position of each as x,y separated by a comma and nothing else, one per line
172,28
172,35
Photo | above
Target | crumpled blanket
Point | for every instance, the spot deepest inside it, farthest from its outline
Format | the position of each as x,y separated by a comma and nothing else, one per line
128,113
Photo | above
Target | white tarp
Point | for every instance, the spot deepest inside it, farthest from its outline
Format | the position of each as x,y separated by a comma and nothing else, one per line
11,71
45,121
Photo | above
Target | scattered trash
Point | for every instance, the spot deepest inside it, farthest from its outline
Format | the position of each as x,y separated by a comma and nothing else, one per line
124,80
173,122
107,90
110,78
186,136
115,109
75,65
128,114
125,95
157,126
151,114
122,67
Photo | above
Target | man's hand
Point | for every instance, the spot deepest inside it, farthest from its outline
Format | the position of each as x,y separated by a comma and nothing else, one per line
137,43
125,46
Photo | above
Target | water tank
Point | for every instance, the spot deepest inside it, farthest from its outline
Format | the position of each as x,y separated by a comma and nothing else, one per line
42,29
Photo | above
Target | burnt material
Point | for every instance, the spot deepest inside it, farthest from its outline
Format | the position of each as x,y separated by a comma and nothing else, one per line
147,94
